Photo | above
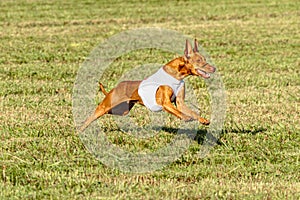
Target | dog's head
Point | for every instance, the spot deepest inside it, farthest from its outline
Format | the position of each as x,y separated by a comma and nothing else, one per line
195,63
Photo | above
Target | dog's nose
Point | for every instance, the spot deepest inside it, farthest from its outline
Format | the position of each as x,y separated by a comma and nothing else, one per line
214,69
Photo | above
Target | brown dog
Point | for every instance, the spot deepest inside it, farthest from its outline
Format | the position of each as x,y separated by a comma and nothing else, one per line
159,91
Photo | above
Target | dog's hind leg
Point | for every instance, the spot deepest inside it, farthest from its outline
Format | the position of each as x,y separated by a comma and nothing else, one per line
110,101
98,113
118,101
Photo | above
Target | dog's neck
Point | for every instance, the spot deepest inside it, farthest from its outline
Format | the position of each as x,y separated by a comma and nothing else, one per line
176,68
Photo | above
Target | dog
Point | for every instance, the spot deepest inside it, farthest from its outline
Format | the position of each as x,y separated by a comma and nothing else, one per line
158,92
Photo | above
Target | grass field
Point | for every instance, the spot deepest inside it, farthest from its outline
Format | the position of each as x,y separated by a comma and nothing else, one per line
255,46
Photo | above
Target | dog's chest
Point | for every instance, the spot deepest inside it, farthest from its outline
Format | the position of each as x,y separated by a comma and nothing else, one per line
148,87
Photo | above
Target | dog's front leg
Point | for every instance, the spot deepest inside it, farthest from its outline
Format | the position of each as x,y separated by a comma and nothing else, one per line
170,108
163,98
186,110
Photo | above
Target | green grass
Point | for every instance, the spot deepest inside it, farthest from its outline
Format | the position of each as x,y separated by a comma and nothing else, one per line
255,46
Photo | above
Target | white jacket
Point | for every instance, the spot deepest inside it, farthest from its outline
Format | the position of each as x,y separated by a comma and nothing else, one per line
148,87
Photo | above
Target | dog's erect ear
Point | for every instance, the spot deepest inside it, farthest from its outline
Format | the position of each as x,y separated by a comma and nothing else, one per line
196,46
188,49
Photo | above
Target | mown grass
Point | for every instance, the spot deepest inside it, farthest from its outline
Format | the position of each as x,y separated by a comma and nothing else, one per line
254,44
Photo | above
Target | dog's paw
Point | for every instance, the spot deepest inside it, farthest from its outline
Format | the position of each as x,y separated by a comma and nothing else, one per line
204,121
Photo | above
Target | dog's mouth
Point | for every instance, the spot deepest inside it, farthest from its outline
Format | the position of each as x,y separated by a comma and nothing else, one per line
202,73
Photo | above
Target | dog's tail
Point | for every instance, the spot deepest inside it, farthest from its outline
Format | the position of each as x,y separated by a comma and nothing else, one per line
102,89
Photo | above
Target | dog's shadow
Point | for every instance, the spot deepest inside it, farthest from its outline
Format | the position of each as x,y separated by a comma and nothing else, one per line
203,134
197,135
